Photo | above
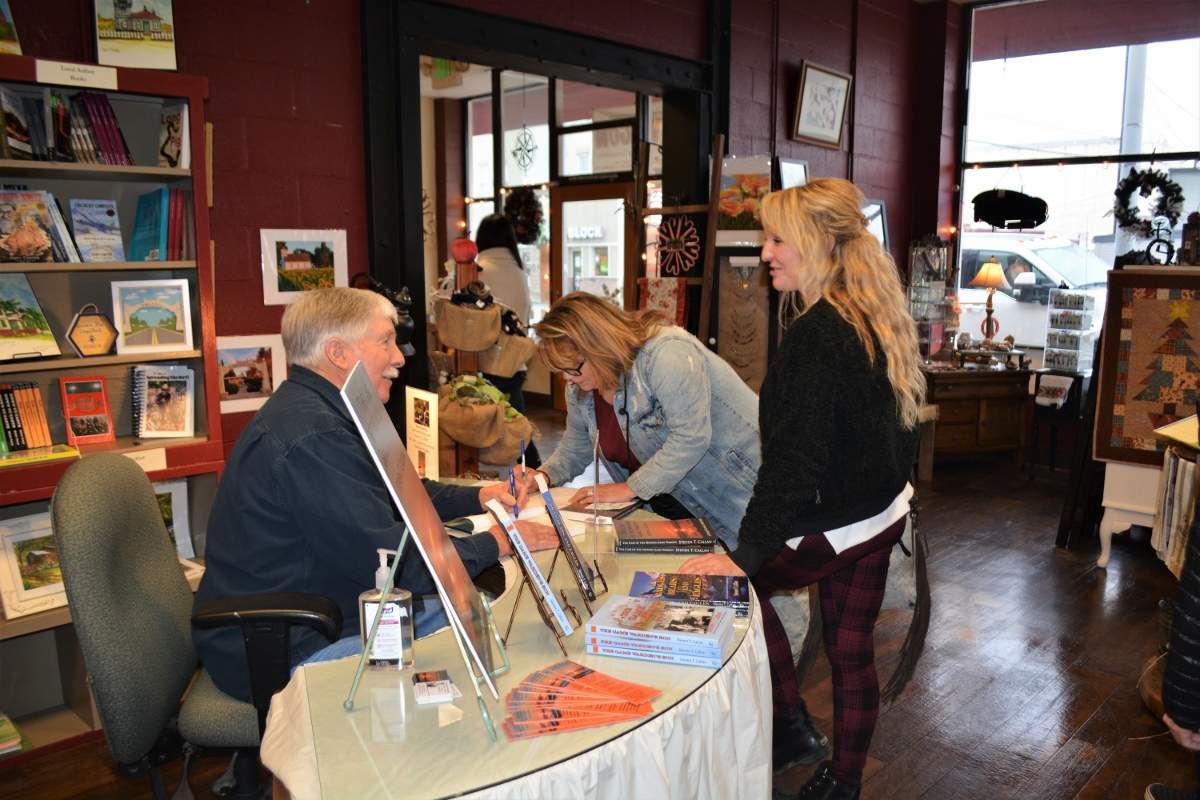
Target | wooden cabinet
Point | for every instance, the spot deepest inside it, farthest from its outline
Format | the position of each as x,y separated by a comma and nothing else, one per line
979,411
44,687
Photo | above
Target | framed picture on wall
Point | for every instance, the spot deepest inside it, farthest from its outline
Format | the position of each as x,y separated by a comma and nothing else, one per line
821,105
792,172
297,261
251,367
152,316
876,216
30,576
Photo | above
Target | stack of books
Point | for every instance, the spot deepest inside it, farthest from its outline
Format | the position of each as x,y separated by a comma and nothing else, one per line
568,696
23,416
163,227
10,737
728,591
663,536
660,630
53,126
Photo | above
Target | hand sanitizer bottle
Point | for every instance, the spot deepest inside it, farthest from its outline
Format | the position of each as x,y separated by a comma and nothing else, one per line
393,648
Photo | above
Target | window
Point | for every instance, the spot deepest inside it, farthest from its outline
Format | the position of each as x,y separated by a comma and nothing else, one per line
1066,126
526,128
605,120
479,148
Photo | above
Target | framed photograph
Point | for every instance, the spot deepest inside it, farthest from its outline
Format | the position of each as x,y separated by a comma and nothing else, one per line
152,316
1148,371
745,181
792,172
821,105
173,503
30,577
876,216
140,34
251,367
295,261
24,331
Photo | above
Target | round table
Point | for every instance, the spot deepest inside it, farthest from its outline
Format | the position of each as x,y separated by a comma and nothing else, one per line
709,735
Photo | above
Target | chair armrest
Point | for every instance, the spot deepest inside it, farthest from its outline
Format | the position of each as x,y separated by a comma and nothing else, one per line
293,608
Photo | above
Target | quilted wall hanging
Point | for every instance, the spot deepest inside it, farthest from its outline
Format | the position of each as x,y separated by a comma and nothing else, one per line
1150,363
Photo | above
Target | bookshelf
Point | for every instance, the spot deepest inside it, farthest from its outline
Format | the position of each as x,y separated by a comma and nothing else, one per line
45,687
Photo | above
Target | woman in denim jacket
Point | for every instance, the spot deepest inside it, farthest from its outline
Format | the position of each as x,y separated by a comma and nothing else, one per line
677,427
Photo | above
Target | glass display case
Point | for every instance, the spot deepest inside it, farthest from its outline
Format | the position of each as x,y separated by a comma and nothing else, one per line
928,270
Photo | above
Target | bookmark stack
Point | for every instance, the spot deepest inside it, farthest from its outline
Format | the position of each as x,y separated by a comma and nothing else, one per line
568,696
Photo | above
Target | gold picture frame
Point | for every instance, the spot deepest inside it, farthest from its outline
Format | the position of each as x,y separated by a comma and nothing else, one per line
821,104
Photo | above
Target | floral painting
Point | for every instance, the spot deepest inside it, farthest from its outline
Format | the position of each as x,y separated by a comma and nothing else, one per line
744,183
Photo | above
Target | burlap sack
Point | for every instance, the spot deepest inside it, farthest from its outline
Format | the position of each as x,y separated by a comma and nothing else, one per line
475,425
507,355
507,448
465,327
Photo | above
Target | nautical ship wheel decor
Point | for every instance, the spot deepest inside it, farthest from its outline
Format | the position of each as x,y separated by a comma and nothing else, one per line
678,246
524,149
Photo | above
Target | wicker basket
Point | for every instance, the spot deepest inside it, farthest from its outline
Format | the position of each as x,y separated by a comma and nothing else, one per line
508,355
465,327
472,424
507,448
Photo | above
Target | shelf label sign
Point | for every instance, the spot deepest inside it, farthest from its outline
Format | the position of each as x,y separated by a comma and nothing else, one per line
90,76
151,460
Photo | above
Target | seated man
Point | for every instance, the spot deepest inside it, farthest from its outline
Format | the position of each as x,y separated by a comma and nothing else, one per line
301,506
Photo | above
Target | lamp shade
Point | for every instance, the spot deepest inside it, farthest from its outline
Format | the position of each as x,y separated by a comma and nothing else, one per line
990,276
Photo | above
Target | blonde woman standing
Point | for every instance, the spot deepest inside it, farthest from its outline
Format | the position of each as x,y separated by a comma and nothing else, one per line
838,415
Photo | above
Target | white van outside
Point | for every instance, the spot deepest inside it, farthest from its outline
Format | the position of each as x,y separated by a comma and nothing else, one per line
1033,265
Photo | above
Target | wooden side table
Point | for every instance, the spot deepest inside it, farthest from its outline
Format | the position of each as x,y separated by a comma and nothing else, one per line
979,411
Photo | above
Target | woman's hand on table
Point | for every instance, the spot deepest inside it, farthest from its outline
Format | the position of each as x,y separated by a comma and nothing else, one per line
604,493
536,535
710,564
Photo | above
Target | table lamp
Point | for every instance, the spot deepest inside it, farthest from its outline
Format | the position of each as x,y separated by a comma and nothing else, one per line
990,277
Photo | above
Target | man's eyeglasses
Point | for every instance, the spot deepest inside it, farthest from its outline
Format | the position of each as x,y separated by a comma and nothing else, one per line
574,372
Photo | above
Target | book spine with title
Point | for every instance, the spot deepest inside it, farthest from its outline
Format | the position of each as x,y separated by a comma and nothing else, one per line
635,618
713,662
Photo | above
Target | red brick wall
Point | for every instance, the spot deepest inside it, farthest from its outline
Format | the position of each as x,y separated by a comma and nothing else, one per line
288,128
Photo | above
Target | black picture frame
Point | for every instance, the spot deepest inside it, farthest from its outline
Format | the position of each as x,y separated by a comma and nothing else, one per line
876,214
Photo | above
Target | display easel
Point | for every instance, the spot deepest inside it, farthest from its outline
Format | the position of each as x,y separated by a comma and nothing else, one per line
527,581
476,677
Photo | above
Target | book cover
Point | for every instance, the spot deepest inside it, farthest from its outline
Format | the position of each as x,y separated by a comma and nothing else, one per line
663,534
653,646
662,620
25,227
108,117
173,137
58,125
81,135
718,590
11,420
583,509
9,42
150,227
97,230
24,330
37,137
16,127
85,409
60,231
537,580
167,401
104,150
138,34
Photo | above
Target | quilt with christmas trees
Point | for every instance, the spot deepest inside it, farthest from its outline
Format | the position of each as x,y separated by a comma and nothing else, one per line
1150,367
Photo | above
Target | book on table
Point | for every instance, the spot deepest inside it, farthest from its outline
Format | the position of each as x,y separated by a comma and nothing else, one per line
659,630
663,536
731,591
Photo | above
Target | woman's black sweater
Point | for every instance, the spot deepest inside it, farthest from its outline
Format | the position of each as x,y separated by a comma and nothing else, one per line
833,449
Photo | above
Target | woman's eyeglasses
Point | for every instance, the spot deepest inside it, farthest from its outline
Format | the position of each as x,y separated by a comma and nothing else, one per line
574,372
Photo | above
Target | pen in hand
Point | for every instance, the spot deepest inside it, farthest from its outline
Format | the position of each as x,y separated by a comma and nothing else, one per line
512,488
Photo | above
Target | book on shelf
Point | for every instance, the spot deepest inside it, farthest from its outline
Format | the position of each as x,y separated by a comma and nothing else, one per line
97,230
85,409
25,227
58,125
151,226
16,142
663,536
55,452
24,416
638,620
10,737
731,591
10,43
174,138
27,333
37,135
163,397
82,139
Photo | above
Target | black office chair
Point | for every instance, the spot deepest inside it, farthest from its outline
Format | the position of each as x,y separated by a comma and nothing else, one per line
132,610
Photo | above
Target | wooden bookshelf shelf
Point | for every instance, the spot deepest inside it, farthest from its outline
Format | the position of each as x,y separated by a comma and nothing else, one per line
13,368
95,266
95,172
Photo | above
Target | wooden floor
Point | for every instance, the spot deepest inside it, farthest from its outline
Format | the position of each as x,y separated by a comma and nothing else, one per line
1026,689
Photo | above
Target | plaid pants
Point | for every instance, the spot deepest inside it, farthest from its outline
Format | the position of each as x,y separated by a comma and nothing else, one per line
851,585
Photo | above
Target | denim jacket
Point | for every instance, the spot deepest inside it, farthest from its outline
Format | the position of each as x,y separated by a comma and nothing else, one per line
691,422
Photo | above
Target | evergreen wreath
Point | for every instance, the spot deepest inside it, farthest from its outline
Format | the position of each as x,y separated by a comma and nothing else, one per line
1169,205
524,210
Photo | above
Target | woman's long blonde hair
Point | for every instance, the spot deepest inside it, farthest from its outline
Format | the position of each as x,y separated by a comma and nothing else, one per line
857,277
582,326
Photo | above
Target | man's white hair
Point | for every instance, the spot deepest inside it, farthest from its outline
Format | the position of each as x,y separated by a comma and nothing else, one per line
322,314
